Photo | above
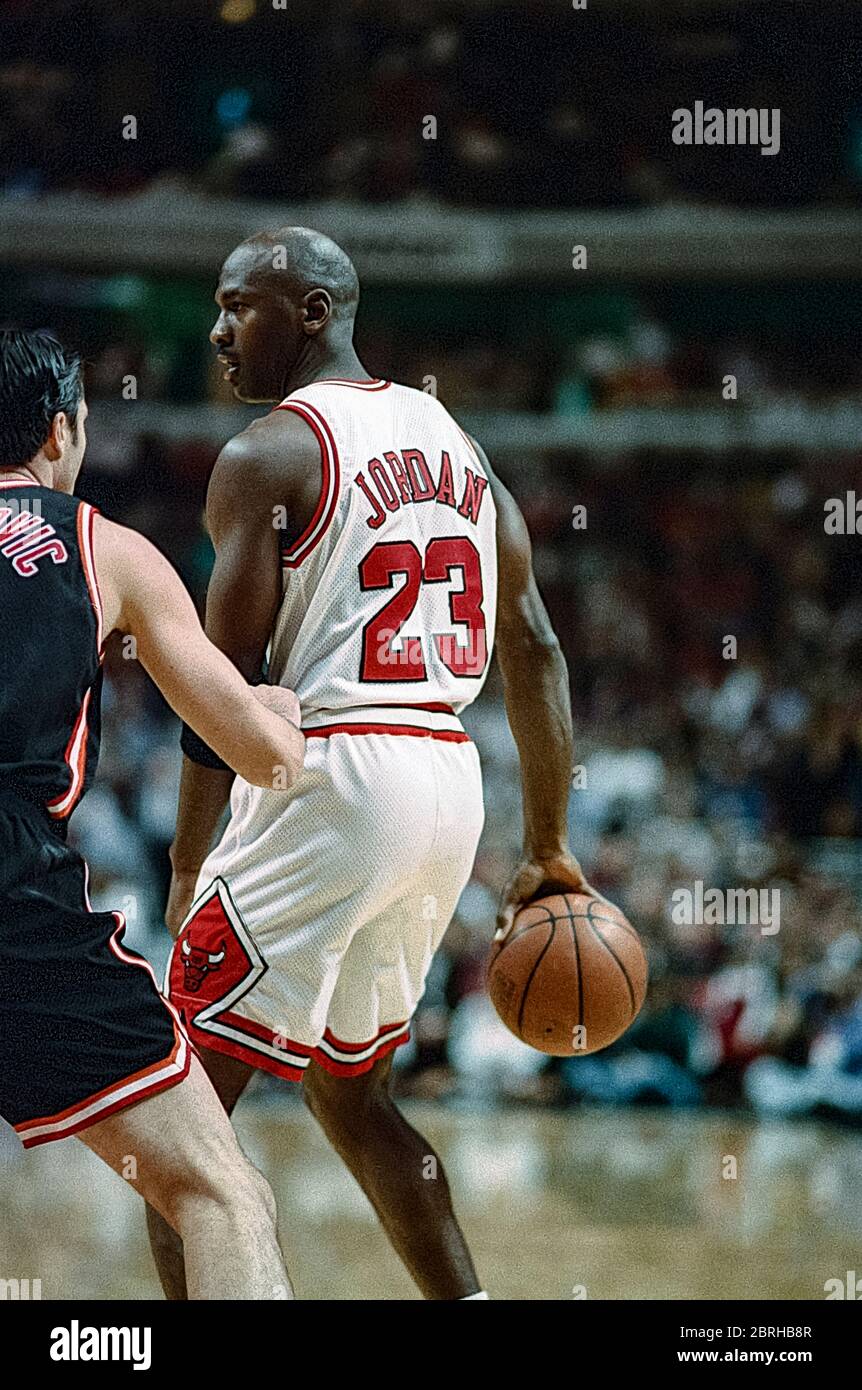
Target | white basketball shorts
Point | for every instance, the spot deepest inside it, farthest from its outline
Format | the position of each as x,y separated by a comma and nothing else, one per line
317,915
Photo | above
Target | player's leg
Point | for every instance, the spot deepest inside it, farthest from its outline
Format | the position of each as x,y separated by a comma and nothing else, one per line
275,912
398,1171
189,1166
436,794
229,1078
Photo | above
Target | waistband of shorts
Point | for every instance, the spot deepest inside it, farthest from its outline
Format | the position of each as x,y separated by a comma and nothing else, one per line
435,720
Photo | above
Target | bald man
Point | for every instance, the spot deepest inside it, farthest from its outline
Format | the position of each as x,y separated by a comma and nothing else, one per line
359,535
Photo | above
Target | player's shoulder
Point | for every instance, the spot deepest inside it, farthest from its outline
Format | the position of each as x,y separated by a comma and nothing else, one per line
123,549
261,459
132,574
439,416
425,405
265,441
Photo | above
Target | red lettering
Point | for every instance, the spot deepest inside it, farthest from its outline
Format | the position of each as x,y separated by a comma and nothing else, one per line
383,485
378,516
24,521
26,564
445,554
23,535
27,537
377,570
474,491
399,472
414,462
445,489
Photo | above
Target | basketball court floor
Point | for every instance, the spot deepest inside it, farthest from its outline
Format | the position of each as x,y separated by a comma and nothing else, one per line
556,1205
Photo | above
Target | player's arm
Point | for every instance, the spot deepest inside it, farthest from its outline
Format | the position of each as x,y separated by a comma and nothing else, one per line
538,707
143,596
252,476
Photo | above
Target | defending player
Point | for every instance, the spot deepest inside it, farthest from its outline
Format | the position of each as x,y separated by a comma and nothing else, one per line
89,1046
375,597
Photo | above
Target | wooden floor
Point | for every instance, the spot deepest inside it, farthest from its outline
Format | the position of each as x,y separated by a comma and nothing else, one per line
623,1204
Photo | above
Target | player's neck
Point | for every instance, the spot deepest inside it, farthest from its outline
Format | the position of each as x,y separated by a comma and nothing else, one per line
28,473
343,366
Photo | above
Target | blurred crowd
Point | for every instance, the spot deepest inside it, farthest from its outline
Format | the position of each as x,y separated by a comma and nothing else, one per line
713,632
378,101
629,359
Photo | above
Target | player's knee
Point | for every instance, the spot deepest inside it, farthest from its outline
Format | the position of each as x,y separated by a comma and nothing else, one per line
221,1176
247,1200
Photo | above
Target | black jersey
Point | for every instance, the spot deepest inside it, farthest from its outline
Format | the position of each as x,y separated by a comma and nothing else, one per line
50,646
85,1030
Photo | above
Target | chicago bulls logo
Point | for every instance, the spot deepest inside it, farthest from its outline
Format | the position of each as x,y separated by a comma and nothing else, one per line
212,972
215,960
197,964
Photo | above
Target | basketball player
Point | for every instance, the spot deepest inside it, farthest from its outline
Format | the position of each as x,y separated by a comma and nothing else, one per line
89,1046
306,934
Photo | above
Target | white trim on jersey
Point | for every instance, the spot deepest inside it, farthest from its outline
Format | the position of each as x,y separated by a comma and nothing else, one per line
375,384
406,716
209,1019
86,516
76,759
252,1043
330,484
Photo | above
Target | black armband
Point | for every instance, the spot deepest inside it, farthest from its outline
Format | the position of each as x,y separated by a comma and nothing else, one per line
194,747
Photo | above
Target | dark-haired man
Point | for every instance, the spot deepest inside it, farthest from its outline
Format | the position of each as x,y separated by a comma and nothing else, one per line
89,1045
394,557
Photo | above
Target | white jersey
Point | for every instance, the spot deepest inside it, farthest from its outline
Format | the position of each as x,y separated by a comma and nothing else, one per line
310,937
390,593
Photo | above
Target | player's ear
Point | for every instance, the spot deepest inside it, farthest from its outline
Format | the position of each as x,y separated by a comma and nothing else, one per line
317,310
58,437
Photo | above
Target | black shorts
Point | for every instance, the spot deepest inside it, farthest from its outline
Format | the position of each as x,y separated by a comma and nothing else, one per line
84,1031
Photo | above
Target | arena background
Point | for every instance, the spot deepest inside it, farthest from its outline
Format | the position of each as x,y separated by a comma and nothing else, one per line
462,152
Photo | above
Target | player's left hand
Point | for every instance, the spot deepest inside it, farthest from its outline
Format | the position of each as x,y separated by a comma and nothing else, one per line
280,700
534,878
180,898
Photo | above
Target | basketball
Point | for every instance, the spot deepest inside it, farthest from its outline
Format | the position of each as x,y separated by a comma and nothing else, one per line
571,975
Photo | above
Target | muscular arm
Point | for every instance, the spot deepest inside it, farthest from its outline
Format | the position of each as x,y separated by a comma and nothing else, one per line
143,596
538,707
535,686
252,476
